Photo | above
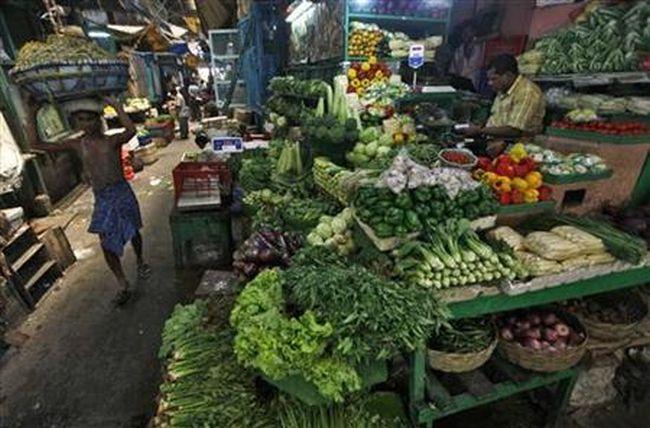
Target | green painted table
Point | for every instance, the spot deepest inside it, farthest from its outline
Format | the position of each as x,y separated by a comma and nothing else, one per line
430,400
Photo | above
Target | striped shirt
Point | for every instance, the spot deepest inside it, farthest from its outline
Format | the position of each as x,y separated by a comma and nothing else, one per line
522,107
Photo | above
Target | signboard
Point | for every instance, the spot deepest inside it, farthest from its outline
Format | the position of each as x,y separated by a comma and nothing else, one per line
416,56
227,144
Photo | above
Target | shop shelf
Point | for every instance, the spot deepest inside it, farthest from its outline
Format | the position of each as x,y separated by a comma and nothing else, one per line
448,394
526,208
394,18
576,178
598,137
596,79
503,302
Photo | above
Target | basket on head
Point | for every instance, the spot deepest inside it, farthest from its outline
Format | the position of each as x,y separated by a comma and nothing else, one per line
66,81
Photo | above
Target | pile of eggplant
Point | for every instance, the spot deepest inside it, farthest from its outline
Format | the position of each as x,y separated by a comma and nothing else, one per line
264,249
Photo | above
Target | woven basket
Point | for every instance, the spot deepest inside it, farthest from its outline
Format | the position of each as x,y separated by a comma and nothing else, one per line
67,81
608,332
450,362
544,360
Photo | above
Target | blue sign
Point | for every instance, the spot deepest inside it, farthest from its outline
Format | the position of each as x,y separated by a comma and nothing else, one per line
227,144
416,56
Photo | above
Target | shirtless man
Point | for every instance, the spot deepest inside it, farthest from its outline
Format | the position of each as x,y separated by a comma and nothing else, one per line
116,214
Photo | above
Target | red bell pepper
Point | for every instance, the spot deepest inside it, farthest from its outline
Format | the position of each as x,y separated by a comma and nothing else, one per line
517,197
505,168
545,193
505,198
484,163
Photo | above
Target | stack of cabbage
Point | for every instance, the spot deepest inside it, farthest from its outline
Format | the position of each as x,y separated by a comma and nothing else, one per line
554,163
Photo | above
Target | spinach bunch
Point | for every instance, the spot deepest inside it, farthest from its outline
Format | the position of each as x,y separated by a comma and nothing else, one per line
371,317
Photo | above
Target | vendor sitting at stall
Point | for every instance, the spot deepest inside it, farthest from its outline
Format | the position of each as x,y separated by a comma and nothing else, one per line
116,214
518,109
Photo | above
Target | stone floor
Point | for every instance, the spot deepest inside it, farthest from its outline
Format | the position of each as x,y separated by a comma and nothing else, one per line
86,364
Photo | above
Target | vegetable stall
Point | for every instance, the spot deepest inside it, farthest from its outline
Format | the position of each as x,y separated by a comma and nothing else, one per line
392,278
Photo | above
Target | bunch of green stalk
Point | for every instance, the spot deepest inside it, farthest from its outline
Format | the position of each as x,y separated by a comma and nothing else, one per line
205,386
464,336
453,255
620,244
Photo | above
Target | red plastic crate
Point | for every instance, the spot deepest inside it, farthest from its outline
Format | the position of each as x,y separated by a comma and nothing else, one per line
201,178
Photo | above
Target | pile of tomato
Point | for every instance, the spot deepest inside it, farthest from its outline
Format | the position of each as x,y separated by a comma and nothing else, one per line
459,158
602,127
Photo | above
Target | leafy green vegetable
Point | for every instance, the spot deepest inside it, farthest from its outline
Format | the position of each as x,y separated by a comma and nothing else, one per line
205,386
372,318
281,345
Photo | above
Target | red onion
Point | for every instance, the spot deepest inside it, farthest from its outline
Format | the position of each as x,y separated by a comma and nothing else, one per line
506,334
511,320
552,349
550,334
531,343
524,325
534,319
545,344
560,344
534,333
549,319
562,329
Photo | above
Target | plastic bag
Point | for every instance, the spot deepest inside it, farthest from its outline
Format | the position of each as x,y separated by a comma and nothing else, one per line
589,243
551,246
508,235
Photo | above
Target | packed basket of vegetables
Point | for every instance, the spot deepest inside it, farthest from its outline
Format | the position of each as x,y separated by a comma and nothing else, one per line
463,346
611,317
542,340
68,67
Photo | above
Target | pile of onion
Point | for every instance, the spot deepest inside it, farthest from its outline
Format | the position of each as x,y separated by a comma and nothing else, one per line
539,331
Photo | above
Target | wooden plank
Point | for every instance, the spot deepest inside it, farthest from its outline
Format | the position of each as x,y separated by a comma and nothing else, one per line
476,383
58,246
26,256
503,302
17,234
39,274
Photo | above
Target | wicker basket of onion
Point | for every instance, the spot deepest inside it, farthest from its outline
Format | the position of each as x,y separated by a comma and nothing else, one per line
542,340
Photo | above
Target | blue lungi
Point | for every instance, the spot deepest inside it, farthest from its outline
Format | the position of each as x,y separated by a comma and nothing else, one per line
116,216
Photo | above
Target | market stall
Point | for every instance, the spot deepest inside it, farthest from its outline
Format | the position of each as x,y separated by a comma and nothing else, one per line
393,276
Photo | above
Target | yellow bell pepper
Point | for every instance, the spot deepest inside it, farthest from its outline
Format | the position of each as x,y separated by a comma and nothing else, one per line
531,196
489,178
365,66
355,83
502,184
534,179
518,152
352,73
519,184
